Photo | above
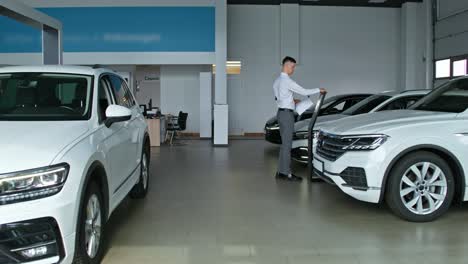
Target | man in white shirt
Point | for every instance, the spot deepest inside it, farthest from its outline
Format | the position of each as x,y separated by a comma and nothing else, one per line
284,88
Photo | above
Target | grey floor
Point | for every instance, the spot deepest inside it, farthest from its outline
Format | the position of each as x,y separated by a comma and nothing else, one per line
222,205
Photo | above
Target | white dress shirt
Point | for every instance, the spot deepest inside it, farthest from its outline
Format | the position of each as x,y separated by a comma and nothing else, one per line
284,88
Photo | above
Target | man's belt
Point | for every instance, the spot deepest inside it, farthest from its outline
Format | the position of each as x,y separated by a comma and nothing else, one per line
286,110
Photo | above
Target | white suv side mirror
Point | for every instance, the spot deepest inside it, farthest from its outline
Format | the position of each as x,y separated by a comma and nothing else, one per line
117,113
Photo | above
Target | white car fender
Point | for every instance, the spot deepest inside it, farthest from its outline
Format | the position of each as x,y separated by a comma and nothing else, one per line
411,145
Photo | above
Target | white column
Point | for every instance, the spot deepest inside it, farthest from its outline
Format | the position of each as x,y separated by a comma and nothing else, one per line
413,46
429,45
290,31
51,46
50,27
409,28
205,105
221,107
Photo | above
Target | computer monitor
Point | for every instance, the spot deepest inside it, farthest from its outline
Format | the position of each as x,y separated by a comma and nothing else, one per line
150,104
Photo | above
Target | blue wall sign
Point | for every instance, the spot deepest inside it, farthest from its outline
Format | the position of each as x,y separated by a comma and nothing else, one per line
119,29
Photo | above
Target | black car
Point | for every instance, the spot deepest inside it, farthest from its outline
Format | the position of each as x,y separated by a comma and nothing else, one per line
333,105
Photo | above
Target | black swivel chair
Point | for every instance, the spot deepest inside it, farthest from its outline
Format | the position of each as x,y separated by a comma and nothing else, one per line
177,124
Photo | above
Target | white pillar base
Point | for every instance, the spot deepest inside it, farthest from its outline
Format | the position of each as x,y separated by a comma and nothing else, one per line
221,125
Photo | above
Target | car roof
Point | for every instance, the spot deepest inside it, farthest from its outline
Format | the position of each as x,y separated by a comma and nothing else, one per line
84,70
389,93
341,96
406,93
351,95
413,92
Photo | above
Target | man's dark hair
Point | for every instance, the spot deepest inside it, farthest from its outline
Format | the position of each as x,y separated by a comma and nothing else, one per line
288,59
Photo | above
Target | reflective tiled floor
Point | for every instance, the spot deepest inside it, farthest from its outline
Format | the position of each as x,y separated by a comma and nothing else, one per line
222,205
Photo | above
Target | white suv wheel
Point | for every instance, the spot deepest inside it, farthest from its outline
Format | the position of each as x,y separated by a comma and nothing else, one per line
93,226
144,171
420,187
423,188
140,190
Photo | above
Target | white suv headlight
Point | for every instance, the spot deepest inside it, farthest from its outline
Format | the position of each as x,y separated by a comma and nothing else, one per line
273,127
32,184
364,142
305,134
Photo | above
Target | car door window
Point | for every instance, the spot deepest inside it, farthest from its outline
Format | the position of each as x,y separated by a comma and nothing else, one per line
335,108
129,95
339,106
121,92
351,102
400,103
104,98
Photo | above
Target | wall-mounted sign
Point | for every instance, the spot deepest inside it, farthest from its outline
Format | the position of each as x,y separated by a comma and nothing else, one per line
119,29
151,78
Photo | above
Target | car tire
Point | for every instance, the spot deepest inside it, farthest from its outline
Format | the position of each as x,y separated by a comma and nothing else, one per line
423,196
91,215
140,190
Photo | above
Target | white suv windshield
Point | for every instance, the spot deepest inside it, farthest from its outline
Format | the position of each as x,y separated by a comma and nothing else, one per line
366,105
44,96
451,97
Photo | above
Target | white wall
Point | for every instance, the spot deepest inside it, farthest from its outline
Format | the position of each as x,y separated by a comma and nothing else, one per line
253,37
148,89
413,46
180,91
344,49
451,30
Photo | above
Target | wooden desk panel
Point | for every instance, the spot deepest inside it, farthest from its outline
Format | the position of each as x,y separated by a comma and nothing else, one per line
154,130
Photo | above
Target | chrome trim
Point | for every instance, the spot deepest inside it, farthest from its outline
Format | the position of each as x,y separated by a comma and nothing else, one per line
35,246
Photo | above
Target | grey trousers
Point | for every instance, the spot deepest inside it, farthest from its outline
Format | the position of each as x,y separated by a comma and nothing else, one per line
286,124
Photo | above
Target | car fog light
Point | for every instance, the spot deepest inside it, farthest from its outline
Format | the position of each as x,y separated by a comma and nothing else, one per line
35,252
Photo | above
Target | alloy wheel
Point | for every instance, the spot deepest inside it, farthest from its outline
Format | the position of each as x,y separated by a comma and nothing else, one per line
423,188
93,226
145,171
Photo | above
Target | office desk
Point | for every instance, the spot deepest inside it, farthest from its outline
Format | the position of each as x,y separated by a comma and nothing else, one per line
154,131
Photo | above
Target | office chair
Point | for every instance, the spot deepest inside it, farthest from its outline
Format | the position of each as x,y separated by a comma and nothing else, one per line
177,124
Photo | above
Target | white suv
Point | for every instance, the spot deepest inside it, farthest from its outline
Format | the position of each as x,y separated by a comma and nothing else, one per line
415,160
74,144
379,102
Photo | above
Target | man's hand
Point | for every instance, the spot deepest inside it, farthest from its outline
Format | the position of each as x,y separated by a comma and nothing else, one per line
323,91
296,101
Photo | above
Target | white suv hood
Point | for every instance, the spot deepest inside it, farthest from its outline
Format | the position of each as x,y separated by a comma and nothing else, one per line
381,122
304,124
28,145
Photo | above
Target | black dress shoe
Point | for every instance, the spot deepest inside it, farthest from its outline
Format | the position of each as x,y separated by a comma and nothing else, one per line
291,177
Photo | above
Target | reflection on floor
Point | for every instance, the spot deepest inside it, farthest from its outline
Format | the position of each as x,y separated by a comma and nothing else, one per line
222,205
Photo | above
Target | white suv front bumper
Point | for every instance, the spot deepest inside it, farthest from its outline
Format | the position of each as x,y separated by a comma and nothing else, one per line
372,163
58,209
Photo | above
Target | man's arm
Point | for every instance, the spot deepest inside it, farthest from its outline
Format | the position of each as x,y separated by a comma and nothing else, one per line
294,87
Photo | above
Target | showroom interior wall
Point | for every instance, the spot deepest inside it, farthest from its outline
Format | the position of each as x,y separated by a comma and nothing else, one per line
180,88
451,30
413,46
148,84
344,49
177,53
